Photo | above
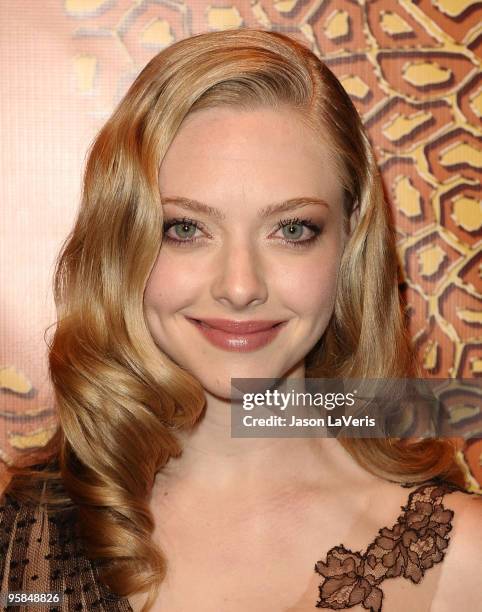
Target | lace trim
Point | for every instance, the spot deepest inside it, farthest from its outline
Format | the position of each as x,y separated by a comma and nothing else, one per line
414,544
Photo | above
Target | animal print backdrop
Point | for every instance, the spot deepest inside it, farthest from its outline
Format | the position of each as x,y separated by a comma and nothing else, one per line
413,71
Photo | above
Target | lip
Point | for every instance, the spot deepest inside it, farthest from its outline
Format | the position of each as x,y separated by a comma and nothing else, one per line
239,327
239,336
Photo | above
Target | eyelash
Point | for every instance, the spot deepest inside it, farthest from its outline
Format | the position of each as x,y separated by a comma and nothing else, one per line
316,229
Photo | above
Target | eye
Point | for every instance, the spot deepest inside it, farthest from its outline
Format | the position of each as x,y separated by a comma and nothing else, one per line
184,230
293,229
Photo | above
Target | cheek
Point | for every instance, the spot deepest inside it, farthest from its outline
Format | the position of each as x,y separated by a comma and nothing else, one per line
171,285
310,289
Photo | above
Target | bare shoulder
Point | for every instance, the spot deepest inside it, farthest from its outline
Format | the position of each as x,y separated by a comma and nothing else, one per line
459,582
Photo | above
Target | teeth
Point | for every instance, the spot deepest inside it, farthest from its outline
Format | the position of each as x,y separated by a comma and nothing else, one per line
208,326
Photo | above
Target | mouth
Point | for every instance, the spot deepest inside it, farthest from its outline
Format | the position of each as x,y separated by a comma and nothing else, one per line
238,336
201,322
237,327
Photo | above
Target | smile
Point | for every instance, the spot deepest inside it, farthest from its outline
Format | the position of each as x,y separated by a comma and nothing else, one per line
238,336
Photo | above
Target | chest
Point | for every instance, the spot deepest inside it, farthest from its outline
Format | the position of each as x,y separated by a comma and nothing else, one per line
252,558
281,580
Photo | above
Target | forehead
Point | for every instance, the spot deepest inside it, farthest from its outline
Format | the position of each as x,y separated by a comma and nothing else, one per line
225,154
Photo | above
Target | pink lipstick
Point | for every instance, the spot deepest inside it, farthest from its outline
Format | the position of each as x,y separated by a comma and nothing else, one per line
240,336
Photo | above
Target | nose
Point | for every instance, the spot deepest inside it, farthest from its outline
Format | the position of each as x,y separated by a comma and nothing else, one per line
240,281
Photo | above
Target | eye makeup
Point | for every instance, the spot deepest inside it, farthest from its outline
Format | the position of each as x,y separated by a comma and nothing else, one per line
188,224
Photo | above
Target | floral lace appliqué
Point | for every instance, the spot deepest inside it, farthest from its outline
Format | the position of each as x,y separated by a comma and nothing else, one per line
415,543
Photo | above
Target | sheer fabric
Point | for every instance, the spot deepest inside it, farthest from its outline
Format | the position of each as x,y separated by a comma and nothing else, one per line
40,552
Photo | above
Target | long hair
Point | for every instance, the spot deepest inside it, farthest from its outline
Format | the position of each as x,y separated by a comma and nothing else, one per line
120,400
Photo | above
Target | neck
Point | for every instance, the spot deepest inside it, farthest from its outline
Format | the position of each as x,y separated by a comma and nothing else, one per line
212,456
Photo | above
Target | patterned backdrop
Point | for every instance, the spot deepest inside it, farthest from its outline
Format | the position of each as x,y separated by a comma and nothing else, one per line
412,69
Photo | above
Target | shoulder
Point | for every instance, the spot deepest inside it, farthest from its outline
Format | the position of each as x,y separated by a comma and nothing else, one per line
15,507
16,522
13,514
17,515
27,528
459,582
40,551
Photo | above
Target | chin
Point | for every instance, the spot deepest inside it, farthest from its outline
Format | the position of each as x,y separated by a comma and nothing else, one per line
222,392
220,386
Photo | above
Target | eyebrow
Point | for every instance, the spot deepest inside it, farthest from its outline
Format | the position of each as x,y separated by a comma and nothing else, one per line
263,213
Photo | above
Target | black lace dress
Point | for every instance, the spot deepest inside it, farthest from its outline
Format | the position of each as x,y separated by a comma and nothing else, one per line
41,553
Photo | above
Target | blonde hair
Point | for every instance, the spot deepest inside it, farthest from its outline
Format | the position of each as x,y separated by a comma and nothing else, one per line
120,399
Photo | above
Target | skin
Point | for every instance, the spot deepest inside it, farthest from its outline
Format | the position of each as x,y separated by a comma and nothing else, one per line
238,163
229,507
240,268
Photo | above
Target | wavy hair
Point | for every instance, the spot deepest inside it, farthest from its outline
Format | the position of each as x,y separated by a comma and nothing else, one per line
120,400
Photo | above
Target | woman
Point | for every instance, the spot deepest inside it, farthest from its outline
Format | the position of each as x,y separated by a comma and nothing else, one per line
233,186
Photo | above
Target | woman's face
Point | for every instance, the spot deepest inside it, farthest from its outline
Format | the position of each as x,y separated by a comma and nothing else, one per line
239,263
